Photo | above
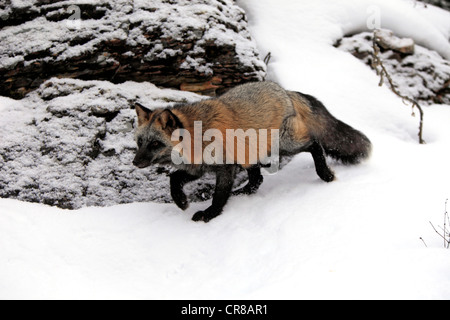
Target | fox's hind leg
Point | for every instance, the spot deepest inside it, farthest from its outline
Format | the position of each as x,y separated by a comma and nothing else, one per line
177,181
255,179
320,161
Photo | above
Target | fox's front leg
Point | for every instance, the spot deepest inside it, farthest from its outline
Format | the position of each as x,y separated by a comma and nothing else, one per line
177,181
224,183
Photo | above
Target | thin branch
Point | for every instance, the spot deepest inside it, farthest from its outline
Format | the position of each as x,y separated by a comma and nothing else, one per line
423,242
445,243
446,234
267,58
383,73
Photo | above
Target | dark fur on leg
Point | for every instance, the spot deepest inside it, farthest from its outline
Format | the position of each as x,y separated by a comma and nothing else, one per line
255,179
224,183
322,169
177,181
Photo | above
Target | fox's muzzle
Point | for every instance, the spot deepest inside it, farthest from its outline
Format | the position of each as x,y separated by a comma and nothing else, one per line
140,165
141,161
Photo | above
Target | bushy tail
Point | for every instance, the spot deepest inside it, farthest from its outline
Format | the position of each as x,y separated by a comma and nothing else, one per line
339,140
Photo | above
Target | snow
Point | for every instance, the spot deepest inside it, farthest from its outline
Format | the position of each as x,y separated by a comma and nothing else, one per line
326,21
355,238
393,42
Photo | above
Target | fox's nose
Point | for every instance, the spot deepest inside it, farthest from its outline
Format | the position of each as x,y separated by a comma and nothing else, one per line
140,162
136,161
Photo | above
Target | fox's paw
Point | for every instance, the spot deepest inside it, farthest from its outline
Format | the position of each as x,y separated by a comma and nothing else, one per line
180,200
201,216
329,177
205,216
247,190
326,175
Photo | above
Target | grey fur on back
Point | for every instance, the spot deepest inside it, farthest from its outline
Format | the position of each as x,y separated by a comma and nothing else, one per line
258,93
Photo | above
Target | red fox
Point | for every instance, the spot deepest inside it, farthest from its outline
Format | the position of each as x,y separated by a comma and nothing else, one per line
297,123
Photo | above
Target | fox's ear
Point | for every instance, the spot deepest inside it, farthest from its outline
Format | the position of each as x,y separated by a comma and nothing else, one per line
143,114
168,120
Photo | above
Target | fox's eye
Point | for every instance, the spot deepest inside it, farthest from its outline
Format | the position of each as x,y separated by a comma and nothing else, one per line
140,142
154,144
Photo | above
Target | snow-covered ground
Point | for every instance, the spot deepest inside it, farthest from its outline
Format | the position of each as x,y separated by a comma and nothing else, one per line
298,237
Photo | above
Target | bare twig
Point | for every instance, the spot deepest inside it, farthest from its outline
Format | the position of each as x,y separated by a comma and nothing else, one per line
383,73
267,58
439,234
444,234
423,242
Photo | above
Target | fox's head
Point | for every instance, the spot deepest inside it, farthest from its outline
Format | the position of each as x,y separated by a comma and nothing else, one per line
153,136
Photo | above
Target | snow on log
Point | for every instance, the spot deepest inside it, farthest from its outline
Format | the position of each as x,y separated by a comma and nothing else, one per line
197,45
